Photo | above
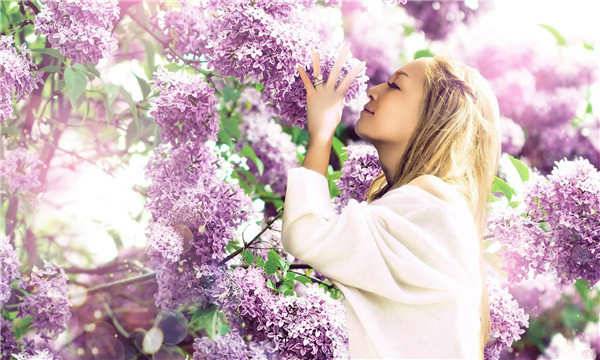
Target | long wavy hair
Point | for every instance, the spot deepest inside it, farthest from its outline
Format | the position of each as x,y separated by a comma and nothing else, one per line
457,139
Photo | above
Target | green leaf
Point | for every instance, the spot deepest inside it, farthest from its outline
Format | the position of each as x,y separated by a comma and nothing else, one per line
88,69
560,40
303,279
500,185
75,84
408,29
521,168
132,134
248,256
270,284
210,320
50,68
571,316
270,267
131,102
339,150
248,152
116,237
588,46
588,108
423,53
143,86
21,326
50,52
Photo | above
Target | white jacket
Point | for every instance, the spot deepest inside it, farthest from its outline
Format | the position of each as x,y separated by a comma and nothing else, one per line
407,264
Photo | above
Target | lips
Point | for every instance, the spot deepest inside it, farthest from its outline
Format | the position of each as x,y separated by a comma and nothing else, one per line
369,111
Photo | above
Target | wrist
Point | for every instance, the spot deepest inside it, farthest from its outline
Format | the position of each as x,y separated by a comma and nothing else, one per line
318,139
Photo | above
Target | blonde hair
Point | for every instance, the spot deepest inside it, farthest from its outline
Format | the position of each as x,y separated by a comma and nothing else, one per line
457,139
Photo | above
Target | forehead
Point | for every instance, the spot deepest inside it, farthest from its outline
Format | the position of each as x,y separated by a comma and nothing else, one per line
415,70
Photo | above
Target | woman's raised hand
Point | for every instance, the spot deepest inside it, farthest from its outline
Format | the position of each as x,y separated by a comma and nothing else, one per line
325,102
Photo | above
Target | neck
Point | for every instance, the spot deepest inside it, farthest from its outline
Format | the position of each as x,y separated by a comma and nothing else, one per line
389,158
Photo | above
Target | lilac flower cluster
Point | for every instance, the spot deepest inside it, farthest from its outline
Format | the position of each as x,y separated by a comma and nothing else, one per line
569,200
186,30
80,29
546,146
47,303
172,169
228,346
438,19
17,75
513,136
8,343
256,42
524,243
358,172
185,109
20,170
537,294
508,320
195,213
561,347
541,88
591,335
9,268
373,44
310,326
272,146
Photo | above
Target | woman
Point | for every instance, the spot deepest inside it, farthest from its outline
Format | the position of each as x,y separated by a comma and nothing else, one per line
409,260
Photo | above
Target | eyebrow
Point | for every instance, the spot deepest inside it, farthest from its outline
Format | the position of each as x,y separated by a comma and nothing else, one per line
401,72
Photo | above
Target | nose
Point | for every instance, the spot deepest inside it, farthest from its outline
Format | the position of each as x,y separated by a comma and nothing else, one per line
372,92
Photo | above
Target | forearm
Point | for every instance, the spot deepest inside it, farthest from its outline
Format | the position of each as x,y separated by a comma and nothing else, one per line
317,154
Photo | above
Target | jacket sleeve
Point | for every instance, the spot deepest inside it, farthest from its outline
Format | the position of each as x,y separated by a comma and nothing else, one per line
397,247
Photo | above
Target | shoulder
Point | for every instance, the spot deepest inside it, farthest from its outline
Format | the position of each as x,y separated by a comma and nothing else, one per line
435,186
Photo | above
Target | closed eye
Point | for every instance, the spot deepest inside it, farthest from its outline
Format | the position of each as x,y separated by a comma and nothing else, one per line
393,85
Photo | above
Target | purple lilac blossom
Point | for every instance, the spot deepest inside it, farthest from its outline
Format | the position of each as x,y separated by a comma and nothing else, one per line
272,146
314,323
80,29
591,335
17,75
524,243
9,268
8,343
212,210
228,346
178,285
185,29
569,201
437,19
546,146
537,294
291,106
538,84
358,172
508,320
185,109
47,303
513,136
373,44
171,170
561,347
20,170
255,43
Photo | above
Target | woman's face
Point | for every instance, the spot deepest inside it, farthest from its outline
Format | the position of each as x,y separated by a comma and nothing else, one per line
395,106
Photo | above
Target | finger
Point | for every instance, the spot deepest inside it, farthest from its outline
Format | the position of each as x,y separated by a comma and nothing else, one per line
304,76
316,62
349,78
339,61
